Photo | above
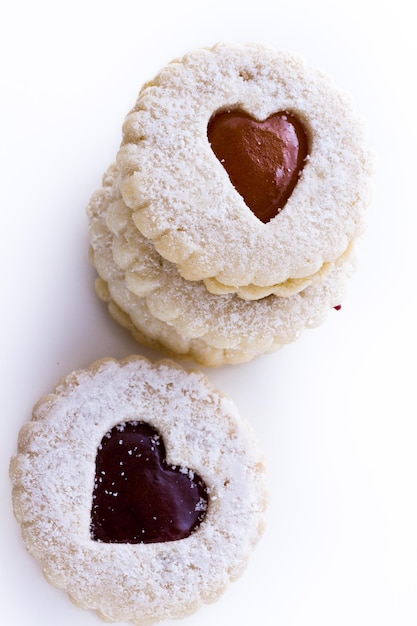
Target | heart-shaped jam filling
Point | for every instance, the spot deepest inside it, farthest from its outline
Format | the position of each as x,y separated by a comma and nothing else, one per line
263,159
138,497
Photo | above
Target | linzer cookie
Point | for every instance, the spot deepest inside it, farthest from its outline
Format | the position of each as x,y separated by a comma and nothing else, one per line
139,488
147,295
247,169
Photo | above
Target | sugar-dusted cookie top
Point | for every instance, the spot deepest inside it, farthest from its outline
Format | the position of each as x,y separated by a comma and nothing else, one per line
139,488
146,294
208,214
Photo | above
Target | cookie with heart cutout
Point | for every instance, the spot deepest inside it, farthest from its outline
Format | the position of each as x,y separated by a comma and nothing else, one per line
246,168
139,488
147,295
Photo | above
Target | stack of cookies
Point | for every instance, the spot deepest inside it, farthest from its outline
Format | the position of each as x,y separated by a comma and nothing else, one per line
227,224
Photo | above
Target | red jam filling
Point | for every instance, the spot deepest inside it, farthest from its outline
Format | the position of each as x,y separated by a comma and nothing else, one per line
138,497
264,159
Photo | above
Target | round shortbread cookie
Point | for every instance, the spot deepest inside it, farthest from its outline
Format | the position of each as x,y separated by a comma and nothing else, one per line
183,200
147,294
92,429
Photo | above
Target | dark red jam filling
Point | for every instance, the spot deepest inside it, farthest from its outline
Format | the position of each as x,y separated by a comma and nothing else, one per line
264,159
138,497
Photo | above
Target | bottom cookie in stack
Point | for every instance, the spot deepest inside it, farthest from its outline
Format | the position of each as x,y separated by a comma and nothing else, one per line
146,294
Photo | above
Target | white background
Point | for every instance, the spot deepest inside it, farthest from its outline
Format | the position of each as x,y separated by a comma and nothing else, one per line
335,412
